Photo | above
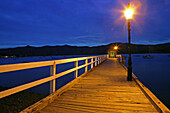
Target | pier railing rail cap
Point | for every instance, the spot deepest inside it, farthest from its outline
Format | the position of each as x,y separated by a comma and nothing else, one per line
29,65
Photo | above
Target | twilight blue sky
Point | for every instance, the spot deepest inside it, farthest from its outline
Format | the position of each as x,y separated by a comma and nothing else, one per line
81,22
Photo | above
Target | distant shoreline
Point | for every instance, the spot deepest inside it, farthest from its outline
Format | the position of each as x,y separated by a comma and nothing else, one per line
83,50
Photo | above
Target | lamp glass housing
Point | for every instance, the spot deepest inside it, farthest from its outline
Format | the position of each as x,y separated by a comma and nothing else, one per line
129,13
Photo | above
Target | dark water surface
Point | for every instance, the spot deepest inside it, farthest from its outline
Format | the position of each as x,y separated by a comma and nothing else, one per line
154,74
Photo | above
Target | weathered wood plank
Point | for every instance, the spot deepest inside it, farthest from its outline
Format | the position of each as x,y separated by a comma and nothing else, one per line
108,99
111,102
102,105
95,109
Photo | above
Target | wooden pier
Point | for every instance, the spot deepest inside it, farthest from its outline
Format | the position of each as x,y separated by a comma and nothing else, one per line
105,89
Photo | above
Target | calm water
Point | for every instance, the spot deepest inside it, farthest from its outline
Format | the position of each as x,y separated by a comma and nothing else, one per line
153,73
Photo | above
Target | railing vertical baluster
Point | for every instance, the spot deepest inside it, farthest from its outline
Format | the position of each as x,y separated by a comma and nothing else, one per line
76,71
92,63
52,73
120,58
100,59
95,61
86,61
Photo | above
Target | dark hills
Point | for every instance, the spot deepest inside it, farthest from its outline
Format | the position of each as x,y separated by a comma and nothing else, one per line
82,50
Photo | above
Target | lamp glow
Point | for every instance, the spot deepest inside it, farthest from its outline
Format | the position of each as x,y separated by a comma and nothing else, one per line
129,13
115,47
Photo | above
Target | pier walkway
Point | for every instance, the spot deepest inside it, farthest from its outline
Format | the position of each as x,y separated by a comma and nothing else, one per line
105,89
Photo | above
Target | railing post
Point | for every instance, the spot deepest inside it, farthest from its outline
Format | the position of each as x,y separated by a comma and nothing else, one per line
100,59
123,60
92,63
95,61
86,61
52,73
76,71
120,59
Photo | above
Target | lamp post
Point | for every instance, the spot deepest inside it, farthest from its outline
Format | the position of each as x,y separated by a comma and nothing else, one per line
128,14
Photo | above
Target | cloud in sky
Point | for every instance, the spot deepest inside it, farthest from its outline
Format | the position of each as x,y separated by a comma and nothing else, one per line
80,22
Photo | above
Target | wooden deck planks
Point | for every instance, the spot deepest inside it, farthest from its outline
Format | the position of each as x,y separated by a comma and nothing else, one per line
103,90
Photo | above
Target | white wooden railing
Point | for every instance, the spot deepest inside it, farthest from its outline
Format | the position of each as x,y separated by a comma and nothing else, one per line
95,60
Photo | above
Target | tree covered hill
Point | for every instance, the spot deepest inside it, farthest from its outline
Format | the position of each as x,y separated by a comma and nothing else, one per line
83,50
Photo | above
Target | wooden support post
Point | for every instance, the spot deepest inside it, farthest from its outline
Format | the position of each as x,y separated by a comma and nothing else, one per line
76,71
120,59
86,61
123,60
95,61
92,63
52,73
100,59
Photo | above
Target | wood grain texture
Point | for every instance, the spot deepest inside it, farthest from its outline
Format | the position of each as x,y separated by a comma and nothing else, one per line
103,90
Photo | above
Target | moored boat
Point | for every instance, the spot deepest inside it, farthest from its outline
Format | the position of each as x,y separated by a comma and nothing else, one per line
147,57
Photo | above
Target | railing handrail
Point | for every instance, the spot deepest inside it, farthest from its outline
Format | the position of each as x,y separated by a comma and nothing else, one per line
119,56
22,66
53,63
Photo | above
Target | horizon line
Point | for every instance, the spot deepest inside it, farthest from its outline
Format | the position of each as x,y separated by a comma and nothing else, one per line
31,45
